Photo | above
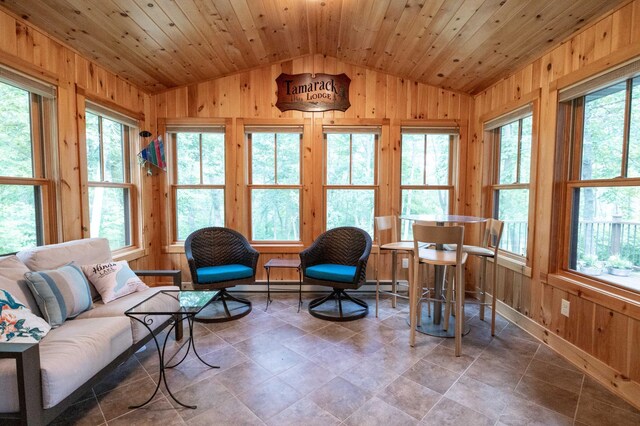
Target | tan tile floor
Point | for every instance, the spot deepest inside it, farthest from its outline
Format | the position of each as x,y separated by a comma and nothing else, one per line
282,367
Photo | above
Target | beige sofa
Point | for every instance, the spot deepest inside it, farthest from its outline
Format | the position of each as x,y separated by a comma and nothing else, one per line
78,354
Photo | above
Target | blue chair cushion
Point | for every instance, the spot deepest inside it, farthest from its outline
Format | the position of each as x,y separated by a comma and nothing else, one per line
332,272
214,274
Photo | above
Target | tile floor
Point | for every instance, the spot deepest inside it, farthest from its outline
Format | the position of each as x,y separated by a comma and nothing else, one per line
281,367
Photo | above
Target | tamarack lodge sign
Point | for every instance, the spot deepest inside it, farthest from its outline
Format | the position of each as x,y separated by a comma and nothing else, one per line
303,92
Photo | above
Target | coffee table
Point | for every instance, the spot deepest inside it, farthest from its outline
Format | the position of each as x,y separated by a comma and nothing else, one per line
283,263
189,304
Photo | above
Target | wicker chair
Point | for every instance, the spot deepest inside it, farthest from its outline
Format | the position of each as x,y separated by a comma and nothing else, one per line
220,258
338,259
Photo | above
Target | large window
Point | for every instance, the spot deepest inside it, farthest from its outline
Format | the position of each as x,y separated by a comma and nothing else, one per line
25,189
426,181
275,184
198,180
603,186
351,178
510,182
109,178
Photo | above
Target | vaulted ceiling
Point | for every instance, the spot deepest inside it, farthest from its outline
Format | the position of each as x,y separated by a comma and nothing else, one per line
463,45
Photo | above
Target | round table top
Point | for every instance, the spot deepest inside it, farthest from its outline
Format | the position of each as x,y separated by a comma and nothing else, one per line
443,218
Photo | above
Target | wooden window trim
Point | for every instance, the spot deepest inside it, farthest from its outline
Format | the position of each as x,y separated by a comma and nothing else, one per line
266,128
567,180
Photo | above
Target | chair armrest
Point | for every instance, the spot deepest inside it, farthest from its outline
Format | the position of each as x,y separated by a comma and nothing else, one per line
176,274
27,357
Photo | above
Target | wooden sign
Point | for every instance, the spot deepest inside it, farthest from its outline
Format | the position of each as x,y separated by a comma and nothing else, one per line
302,92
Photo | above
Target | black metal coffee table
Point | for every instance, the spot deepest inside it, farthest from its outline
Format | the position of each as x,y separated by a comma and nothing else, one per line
189,304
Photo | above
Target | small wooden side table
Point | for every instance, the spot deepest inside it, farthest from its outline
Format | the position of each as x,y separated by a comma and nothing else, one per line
283,263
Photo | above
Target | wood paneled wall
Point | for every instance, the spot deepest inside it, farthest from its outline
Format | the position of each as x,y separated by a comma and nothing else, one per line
604,326
26,49
376,99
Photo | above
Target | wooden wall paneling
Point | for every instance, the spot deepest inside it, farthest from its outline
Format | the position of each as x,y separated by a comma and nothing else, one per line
82,154
611,330
581,326
633,360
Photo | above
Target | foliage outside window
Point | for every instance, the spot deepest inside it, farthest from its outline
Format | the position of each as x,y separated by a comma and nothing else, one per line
351,178
275,185
511,177
199,161
604,184
426,175
24,186
109,180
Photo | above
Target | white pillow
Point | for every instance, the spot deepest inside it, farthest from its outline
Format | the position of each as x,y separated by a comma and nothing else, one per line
17,323
113,279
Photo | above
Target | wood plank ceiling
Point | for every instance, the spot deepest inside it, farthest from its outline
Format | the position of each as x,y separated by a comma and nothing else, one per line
462,45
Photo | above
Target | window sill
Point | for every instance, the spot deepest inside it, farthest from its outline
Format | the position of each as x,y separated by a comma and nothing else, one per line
515,265
621,300
129,254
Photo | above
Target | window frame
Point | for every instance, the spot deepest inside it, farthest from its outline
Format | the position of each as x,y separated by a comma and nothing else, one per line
570,137
42,112
454,137
528,104
276,129
377,131
129,132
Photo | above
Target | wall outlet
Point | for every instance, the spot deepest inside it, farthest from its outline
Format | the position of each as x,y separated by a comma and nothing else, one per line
405,263
564,308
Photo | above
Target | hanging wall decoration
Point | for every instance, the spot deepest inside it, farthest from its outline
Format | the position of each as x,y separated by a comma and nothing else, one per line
313,93
152,154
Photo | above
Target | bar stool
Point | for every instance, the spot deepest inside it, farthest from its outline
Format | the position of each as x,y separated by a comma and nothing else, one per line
488,250
439,235
395,246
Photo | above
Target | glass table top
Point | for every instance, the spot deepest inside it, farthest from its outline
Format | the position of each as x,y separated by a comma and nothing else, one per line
167,302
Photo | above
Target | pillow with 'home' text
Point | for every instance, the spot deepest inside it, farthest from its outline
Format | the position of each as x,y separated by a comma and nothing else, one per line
113,279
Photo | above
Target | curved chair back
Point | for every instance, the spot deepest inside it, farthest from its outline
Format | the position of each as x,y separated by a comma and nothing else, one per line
215,246
345,245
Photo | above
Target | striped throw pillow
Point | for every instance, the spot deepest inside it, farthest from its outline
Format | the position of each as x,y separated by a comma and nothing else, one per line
61,293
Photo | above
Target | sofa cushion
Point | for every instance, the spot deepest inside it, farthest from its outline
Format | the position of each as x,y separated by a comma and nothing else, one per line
17,323
61,293
119,306
69,356
332,272
113,279
12,272
214,274
81,252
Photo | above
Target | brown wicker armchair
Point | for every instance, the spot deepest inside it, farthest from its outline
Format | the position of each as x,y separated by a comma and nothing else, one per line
220,258
338,259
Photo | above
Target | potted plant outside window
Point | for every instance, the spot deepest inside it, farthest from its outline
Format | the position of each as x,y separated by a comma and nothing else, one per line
590,265
618,266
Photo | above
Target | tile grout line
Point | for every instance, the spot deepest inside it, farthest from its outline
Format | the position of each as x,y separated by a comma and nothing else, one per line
575,414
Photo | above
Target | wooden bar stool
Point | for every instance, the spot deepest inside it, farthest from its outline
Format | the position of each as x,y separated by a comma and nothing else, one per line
439,258
389,224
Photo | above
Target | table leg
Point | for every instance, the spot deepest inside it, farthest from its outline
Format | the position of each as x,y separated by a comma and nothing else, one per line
268,270
394,283
299,288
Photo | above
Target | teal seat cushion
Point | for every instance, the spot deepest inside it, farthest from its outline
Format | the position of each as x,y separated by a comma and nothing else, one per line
332,272
214,274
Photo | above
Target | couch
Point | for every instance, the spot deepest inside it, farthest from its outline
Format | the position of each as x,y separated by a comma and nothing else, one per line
40,380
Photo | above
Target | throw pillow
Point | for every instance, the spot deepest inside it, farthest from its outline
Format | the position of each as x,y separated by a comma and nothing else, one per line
61,293
17,323
113,279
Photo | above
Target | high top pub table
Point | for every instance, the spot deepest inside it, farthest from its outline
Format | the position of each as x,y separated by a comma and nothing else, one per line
432,325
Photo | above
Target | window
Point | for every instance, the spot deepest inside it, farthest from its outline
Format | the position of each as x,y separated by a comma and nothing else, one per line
275,184
109,178
603,185
426,174
351,178
198,179
25,186
510,181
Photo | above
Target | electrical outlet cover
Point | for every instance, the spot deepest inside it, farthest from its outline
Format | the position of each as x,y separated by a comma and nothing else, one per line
564,308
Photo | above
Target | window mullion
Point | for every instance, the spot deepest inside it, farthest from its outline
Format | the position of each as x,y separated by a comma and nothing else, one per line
424,161
519,151
350,159
200,162
627,128
275,158
101,145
